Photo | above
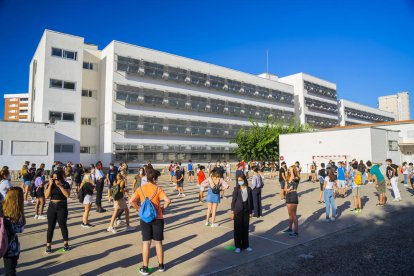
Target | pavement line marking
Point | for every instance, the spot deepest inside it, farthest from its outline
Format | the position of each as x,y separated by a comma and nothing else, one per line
254,235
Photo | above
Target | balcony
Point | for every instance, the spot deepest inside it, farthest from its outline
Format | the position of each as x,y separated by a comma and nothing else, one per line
319,90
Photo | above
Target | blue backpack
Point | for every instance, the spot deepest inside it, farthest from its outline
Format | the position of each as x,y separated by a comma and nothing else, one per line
147,211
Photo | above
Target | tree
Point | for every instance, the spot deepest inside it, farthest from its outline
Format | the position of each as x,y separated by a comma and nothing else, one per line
261,141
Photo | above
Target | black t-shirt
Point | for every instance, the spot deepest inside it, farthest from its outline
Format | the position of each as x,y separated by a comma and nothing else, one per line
281,172
87,189
56,193
322,172
390,172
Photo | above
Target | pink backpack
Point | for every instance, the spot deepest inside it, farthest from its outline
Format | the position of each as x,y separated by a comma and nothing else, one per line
4,239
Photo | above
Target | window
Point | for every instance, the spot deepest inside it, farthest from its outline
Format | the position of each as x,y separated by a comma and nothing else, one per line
61,116
12,105
64,148
88,150
23,111
88,93
62,84
24,99
393,145
56,52
88,121
90,66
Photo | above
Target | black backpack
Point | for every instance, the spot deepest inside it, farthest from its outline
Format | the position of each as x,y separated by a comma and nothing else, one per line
81,195
116,192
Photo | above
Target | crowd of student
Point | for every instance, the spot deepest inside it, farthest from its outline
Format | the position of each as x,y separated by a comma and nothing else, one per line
67,182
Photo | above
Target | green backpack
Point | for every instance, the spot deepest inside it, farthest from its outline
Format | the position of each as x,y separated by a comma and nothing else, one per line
116,192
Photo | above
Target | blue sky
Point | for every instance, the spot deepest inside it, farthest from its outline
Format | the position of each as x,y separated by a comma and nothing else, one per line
365,47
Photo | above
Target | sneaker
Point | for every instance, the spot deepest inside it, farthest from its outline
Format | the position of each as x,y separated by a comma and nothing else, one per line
319,202
179,195
119,222
237,250
249,249
400,199
214,225
66,248
359,211
144,270
41,217
34,200
36,217
89,225
130,228
332,219
287,231
161,267
111,229
182,195
395,199
378,204
293,234
327,220
207,223
48,250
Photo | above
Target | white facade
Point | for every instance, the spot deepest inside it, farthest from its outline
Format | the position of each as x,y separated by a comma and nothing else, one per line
399,104
375,142
136,104
351,113
315,100
21,141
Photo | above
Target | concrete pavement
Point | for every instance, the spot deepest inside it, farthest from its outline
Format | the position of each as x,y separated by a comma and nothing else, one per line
191,248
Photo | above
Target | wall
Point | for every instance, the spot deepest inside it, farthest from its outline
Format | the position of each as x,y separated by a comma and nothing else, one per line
20,142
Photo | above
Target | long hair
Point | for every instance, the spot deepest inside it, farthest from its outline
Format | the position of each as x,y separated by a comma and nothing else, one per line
68,171
4,173
86,179
331,176
24,170
13,206
295,171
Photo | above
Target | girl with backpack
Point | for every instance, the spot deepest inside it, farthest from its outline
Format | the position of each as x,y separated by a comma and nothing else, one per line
118,190
241,211
14,221
86,191
215,184
39,192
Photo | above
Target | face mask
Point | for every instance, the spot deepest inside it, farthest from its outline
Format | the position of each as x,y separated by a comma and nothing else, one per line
111,167
241,183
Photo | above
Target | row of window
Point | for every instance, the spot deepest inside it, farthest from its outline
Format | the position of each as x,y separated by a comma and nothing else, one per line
171,148
169,126
313,88
359,114
162,99
88,150
165,157
155,70
70,148
320,121
313,104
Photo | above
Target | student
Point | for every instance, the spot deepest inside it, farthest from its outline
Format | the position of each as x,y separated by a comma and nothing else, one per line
110,179
87,186
257,185
392,175
209,167
241,211
190,171
120,204
282,180
14,220
39,186
239,172
138,178
321,176
378,178
26,178
77,176
313,170
329,185
5,184
227,167
341,179
58,190
171,170
214,184
179,178
404,170
357,181
99,178
200,178
69,177
155,229
292,201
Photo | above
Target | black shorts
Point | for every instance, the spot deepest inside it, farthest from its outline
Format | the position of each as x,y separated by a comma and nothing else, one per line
180,184
292,198
191,173
282,184
153,230
321,184
40,193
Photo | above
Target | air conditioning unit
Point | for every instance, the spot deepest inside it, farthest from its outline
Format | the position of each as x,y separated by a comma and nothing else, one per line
226,109
225,87
165,128
208,106
208,131
187,104
242,111
270,96
140,126
188,129
140,98
141,71
207,83
165,101
187,79
165,75
241,90
256,93
226,132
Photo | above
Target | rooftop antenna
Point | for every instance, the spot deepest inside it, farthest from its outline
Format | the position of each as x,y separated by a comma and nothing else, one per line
267,64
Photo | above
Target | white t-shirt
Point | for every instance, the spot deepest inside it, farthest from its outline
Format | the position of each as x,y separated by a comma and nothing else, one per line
5,185
228,167
329,184
405,170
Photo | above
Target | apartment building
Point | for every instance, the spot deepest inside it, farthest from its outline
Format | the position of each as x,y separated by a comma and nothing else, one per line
126,102
16,107
399,104
351,113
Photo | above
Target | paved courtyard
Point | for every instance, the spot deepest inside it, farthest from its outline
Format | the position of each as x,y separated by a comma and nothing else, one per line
191,248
